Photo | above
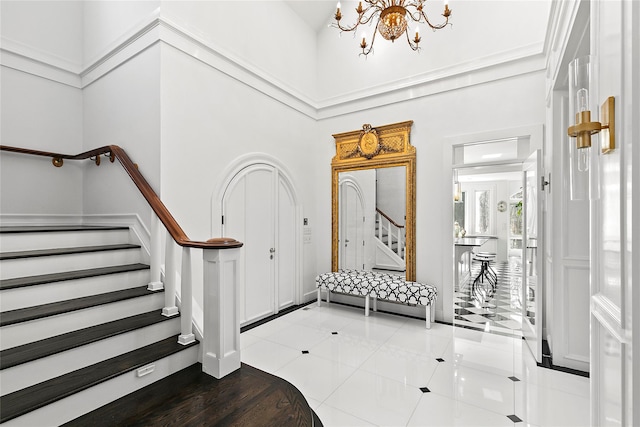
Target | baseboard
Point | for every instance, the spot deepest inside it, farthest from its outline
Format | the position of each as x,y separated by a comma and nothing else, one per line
137,227
8,220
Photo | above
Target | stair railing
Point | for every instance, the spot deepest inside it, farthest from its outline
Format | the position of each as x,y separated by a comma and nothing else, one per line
221,346
394,233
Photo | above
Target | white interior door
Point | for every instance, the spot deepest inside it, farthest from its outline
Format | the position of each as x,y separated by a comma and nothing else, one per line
351,227
615,272
259,209
532,277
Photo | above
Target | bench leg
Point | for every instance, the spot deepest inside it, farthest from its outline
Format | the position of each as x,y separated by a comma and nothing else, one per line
428,314
375,303
366,305
328,297
319,296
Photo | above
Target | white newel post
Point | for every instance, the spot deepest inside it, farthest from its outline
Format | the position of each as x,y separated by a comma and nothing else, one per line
170,308
221,312
155,284
186,303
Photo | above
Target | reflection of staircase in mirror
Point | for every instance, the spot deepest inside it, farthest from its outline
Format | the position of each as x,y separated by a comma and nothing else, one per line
390,243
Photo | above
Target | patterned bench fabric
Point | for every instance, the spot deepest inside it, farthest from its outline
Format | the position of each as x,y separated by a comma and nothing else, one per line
382,286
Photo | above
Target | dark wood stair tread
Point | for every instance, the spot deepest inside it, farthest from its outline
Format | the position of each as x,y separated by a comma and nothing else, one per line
49,346
54,308
31,398
65,251
19,282
246,397
55,228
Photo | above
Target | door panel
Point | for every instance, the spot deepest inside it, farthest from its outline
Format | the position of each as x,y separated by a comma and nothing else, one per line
285,248
248,213
532,289
259,223
259,209
351,227
615,41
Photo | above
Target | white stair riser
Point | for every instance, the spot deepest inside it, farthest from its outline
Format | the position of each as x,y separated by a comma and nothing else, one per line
10,242
28,296
86,401
37,371
25,332
13,268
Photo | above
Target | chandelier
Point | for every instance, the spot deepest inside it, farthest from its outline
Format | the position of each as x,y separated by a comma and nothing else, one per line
391,18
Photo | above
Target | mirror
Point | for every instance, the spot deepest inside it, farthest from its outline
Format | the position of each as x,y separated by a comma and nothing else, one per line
373,200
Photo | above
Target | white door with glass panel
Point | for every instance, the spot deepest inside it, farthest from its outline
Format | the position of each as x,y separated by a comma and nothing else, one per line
532,277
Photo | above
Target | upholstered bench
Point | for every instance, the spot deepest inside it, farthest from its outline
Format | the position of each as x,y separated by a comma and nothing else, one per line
380,286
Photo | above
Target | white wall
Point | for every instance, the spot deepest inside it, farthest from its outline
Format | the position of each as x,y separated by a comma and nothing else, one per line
38,113
123,108
483,33
476,109
107,22
210,121
391,192
185,117
46,30
43,115
281,48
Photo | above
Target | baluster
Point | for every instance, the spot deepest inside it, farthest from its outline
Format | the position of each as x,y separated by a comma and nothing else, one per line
170,308
186,306
389,235
155,254
379,220
399,239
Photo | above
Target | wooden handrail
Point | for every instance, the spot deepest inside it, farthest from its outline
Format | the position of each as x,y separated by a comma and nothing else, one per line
152,198
389,219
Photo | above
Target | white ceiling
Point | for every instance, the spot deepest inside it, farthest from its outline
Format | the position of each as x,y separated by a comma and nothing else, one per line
317,14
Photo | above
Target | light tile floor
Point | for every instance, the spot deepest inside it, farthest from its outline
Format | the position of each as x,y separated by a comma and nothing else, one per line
369,371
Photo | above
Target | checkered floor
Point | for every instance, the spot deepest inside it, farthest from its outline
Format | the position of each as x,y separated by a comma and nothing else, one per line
498,311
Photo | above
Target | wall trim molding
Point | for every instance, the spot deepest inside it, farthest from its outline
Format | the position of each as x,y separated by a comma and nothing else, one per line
159,29
609,316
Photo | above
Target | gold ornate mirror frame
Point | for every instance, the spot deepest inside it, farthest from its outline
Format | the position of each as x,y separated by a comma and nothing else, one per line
370,148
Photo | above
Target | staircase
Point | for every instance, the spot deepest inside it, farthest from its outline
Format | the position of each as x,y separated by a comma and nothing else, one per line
78,326
390,245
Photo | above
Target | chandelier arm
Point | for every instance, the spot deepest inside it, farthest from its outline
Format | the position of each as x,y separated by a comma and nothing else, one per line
359,21
415,16
414,46
373,39
435,27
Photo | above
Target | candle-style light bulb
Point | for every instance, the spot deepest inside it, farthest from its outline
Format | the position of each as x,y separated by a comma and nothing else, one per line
583,159
416,39
582,104
363,43
447,11
582,99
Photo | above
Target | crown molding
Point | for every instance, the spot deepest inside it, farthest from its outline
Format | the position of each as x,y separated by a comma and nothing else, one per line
158,29
24,58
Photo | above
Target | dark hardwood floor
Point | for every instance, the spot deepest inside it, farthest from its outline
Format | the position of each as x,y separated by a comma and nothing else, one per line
247,397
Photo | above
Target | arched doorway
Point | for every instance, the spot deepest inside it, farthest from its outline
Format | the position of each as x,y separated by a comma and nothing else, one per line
259,207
